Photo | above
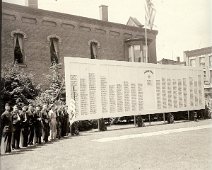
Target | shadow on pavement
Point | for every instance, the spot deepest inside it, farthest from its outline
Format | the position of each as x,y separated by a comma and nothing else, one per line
33,147
129,126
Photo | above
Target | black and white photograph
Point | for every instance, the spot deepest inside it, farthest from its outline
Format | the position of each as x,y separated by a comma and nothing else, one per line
106,85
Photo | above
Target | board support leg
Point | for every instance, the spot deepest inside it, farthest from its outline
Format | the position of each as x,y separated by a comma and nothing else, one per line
188,115
134,120
149,119
164,118
98,122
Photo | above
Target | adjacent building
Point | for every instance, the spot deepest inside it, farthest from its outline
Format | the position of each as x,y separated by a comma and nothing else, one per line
35,39
172,62
202,58
134,22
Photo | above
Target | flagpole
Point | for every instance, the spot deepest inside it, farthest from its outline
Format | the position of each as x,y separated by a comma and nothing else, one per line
146,48
149,20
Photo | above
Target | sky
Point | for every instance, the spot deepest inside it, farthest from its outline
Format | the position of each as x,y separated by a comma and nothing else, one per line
182,24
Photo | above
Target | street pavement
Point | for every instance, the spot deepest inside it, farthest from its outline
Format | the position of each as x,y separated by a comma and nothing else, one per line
182,145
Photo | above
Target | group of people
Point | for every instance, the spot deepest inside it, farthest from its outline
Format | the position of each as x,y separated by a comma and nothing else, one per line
30,125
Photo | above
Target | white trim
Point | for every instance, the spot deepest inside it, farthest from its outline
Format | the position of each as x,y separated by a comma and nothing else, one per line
54,36
93,40
18,31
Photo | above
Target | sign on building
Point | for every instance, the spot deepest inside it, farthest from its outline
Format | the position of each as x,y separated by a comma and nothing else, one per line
105,88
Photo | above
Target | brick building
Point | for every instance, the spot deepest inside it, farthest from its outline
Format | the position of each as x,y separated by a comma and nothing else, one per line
35,38
202,58
172,62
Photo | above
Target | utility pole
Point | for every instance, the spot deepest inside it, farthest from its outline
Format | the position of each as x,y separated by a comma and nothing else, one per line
1,41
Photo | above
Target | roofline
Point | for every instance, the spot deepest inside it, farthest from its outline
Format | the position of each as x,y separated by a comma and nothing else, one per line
42,12
197,52
140,25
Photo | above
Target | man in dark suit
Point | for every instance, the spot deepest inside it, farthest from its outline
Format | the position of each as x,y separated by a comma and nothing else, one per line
31,121
25,126
38,124
16,127
6,127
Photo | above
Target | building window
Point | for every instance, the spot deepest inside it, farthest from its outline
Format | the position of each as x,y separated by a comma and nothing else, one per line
94,45
192,62
210,61
204,73
18,49
54,41
93,49
202,61
211,76
135,53
54,50
18,37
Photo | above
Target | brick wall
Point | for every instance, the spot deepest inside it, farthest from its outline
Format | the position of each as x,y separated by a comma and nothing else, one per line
75,32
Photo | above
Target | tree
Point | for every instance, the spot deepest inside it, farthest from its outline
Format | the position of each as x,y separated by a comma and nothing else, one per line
17,86
56,91
56,94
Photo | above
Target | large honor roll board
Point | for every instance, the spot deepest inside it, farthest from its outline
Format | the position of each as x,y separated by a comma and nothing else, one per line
105,88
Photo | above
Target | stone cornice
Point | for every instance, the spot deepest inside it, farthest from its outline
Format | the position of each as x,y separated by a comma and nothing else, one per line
56,15
198,52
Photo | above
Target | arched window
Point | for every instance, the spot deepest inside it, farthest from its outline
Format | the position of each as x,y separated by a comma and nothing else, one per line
93,49
54,41
18,49
94,46
54,50
18,37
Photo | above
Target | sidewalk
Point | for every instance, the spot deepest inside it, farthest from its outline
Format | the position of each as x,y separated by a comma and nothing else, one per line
152,124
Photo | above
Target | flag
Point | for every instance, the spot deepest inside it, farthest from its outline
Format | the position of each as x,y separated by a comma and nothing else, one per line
149,14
